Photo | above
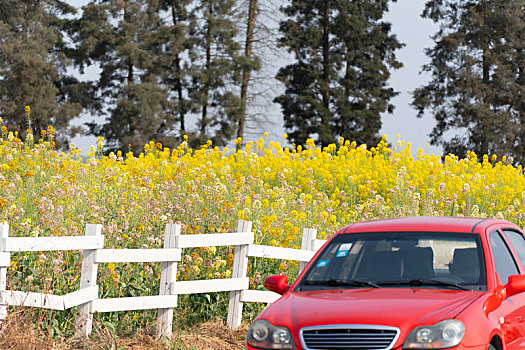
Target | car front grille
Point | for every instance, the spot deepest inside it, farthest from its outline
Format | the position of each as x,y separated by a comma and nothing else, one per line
346,337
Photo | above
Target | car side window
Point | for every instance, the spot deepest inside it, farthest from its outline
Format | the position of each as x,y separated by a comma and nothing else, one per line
505,264
517,242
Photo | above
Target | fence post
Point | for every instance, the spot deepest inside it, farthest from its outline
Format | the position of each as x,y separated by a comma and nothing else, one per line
4,233
240,269
88,278
308,243
167,278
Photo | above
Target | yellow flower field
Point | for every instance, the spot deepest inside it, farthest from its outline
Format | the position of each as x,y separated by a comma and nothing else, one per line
281,189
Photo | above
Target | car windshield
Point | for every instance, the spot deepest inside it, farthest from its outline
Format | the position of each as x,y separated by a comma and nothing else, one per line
399,259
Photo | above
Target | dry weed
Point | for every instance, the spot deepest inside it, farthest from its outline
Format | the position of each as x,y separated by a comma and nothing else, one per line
18,331
210,336
21,331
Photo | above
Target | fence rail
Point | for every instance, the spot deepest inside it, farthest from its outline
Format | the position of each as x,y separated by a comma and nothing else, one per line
93,253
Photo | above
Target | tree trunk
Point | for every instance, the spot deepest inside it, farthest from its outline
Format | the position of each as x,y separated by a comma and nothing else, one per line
485,127
521,108
252,16
324,132
326,58
344,118
178,86
204,120
130,71
178,82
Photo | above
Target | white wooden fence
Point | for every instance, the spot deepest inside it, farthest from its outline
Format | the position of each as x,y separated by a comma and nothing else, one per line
92,247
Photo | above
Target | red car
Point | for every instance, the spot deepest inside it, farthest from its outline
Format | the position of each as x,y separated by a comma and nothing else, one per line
409,283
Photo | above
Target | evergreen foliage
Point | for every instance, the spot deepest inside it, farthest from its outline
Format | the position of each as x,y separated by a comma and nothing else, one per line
477,87
33,67
338,84
175,67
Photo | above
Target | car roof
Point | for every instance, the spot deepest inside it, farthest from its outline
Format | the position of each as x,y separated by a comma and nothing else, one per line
424,223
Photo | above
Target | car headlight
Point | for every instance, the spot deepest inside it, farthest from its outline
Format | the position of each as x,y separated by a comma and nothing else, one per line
264,335
442,335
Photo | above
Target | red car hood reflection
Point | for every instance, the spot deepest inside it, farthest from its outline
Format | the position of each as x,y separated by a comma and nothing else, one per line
403,308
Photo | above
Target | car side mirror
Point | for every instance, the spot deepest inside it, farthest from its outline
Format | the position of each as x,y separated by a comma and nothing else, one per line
277,284
515,285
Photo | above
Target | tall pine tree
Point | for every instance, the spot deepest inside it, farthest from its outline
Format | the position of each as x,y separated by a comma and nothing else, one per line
118,35
33,67
477,87
250,62
338,84
215,70
171,46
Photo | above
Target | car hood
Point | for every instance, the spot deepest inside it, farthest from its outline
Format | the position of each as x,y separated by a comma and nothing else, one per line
404,308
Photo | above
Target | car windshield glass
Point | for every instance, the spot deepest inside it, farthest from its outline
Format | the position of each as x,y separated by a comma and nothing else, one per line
441,260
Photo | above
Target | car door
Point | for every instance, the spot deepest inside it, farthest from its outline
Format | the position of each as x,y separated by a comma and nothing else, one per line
511,313
516,241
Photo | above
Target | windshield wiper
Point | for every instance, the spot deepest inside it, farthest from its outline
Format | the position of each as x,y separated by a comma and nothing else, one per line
422,282
339,282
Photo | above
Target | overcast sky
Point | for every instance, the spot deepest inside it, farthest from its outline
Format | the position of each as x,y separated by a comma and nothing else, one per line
415,32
